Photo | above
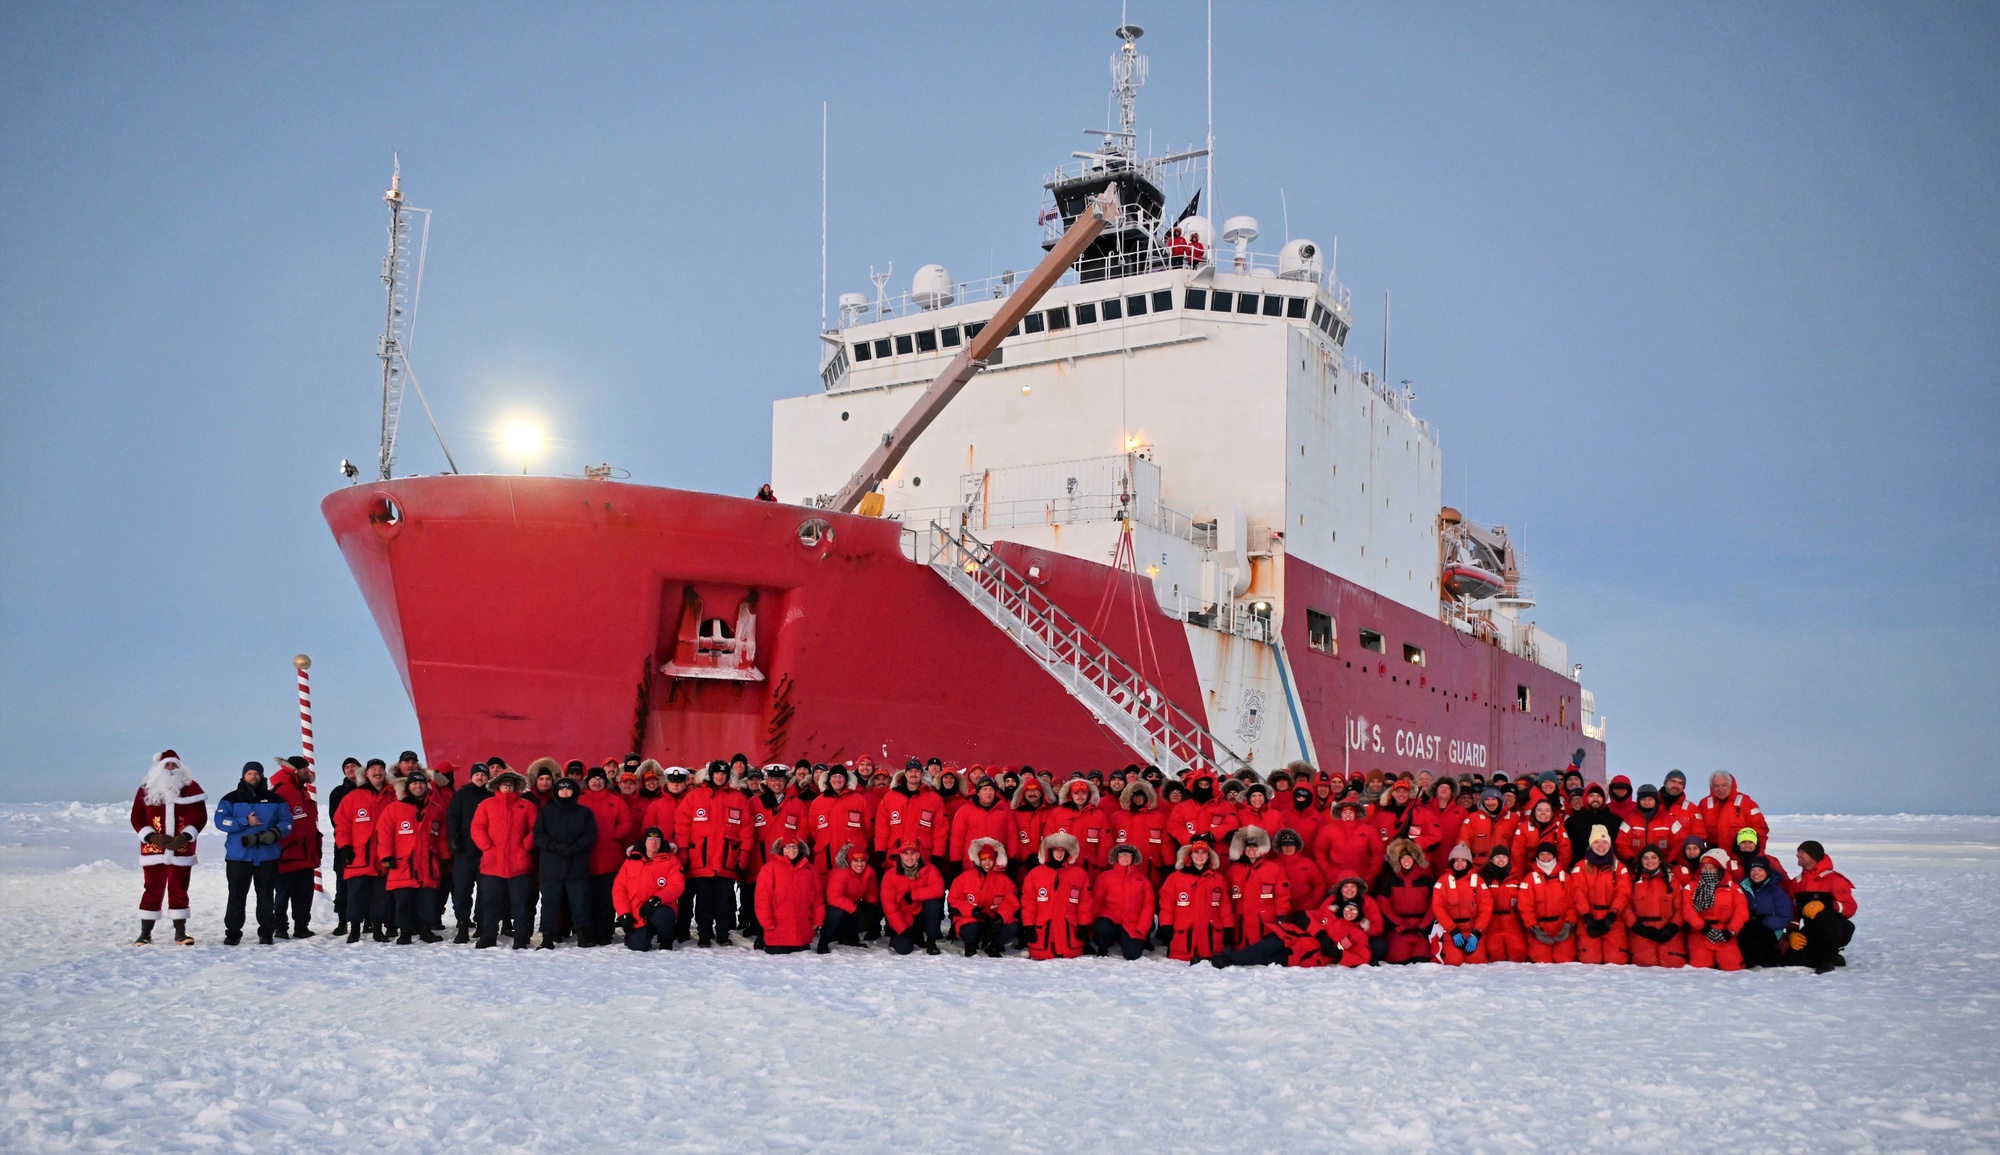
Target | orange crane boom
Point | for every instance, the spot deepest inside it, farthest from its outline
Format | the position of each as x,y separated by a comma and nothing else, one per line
946,385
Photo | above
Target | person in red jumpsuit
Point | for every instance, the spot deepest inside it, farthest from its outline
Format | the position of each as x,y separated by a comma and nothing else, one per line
1548,910
1714,912
1461,910
1653,920
1602,888
1405,895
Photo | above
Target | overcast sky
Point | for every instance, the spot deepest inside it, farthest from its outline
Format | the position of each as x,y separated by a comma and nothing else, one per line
1703,299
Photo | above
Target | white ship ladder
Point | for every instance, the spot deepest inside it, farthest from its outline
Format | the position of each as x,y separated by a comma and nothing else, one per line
1140,713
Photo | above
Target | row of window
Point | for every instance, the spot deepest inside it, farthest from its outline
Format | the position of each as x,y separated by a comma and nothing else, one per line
1116,308
1320,636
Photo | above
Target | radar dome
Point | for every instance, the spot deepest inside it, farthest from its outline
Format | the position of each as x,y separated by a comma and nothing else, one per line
1200,229
852,306
1300,261
931,287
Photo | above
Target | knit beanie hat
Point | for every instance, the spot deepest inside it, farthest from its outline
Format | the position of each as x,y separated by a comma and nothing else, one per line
1812,849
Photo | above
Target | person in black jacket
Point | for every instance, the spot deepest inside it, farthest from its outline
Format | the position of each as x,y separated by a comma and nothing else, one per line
1594,812
350,773
465,901
564,833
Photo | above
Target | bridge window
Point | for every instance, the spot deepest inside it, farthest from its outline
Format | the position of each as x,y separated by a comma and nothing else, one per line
1413,654
1372,641
1163,301
881,347
1197,298
1274,306
1114,309
1034,322
1221,301
1086,313
927,341
1135,306
1246,304
948,336
904,344
861,352
1319,632
972,329
1295,308
1059,317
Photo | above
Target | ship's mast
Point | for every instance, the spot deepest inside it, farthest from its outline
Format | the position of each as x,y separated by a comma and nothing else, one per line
396,275
1128,75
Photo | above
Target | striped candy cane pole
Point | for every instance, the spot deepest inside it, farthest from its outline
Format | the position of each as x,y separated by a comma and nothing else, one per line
304,663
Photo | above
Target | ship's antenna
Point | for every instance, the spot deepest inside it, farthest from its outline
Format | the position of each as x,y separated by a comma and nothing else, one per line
1385,338
1214,211
1128,74
822,216
399,329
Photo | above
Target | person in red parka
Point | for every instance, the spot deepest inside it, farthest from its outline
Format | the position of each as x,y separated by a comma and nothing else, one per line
1602,891
1353,889
1653,919
1714,913
1405,895
411,845
1140,824
302,849
1195,911
1204,811
615,832
791,901
1547,909
1824,900
1123,898
984,816
168,810
664,810
1727,810
1392,812
1031,806
1347,845
1259,888
911,810
355,852
853,900
503,828
1309,885
1462,910
1435,822
985,904
712,827
912,894
1080,817
1649,825
1056,909
840,816
1543,825
1506,940
1344,925
1488,825
647,891
1618,797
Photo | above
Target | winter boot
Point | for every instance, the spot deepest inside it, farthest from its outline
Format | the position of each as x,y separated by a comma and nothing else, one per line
301,931
232,937
429,936
145,933
281,932
381,934
520,944
340,928
971,948
704,941
722,938
547,943
353,932
993,948
181,936
463,936
404,938
823,947
931,946
1221,962
485,943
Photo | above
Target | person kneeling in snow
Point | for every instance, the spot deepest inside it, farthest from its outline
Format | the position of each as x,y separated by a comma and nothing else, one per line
853,899
913,900
985,908
1122,898
647,893
1826,906
1056,900
1714,913
791,903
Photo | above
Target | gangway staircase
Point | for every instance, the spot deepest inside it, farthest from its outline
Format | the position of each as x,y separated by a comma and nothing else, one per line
1140,713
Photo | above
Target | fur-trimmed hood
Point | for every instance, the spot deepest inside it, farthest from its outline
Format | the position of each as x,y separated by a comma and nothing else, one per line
1181,856
1066,842
505,776
1122,848
1244,838
973,848
1399,847
400,783
778,847
1142,790
1066,792
846,854
1021,792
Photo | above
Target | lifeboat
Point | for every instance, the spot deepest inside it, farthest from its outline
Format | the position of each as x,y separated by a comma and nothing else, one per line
1470,581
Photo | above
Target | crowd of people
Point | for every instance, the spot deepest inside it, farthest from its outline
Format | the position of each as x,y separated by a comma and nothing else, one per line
1304,868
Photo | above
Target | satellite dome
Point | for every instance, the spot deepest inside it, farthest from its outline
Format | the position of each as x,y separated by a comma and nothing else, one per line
1300,261
931,287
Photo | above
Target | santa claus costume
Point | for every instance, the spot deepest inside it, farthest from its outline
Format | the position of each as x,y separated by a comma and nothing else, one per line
167,813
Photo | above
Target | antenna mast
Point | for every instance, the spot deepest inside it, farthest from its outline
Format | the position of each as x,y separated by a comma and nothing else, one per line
395,328
1128,75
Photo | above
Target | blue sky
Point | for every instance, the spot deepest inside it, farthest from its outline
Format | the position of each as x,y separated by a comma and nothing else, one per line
1702,297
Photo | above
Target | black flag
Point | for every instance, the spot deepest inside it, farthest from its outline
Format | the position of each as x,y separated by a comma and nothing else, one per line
1193,203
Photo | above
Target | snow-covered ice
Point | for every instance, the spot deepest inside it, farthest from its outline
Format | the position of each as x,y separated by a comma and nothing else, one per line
320,1045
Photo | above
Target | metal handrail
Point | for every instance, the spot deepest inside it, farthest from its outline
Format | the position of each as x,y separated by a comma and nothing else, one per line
1116,693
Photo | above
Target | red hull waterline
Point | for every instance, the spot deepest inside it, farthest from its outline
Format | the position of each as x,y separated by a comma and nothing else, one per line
533,616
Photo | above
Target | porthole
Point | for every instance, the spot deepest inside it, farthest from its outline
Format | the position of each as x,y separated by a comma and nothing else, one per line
916,481
843,415
814,532
386,511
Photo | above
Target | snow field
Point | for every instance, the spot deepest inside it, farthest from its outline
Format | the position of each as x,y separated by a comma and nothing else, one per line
318,1045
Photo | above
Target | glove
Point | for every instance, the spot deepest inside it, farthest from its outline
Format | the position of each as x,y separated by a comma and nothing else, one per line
385,862
1567,928
343,857
1542,936
1597,927
269,837
1813,908
1471,943
1328,949
154,838
1163,936
1716,935
1797,939
180,842
627,922
648,907
1458,940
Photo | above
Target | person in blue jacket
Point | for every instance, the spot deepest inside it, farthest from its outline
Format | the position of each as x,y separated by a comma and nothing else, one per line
256,821
1770,915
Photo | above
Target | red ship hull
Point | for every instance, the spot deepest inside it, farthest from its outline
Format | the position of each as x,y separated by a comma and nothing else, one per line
535,616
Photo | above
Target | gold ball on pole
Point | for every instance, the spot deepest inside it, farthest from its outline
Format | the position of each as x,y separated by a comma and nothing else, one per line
302,662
